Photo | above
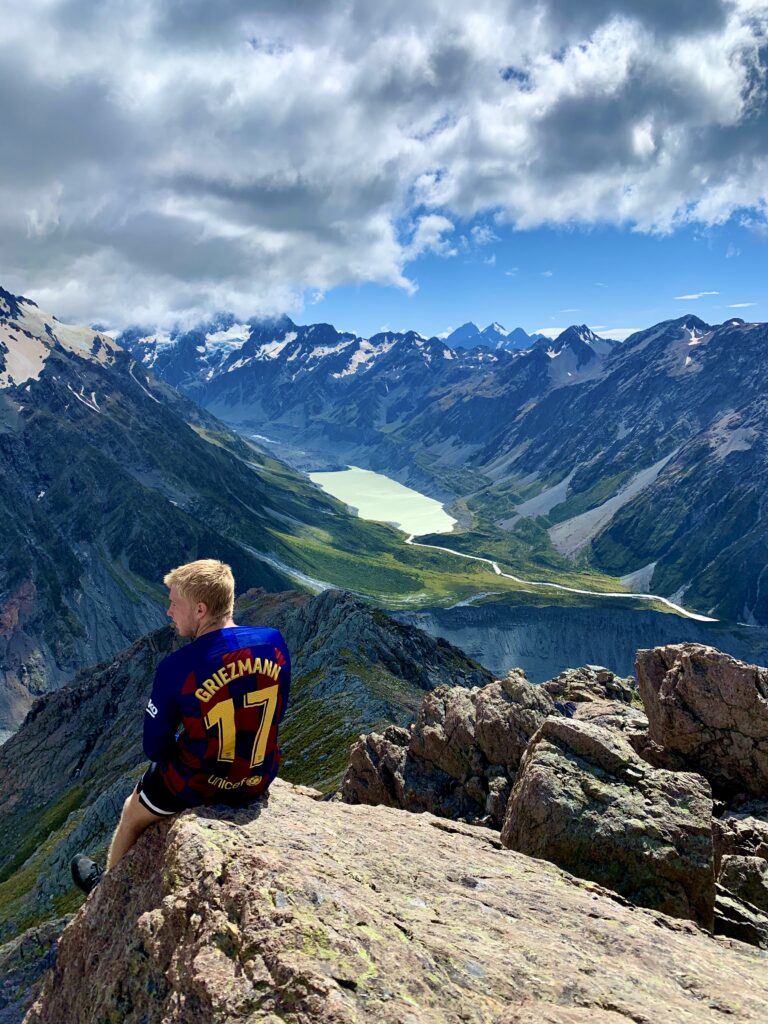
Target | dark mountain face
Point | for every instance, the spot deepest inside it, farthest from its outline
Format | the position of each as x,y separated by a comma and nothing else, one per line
464,337
518,339
684,404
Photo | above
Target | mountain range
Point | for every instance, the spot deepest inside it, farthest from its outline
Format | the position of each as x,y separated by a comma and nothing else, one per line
119,457
644,459
493,336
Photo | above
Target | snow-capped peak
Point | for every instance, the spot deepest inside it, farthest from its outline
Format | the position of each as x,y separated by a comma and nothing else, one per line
585,334
28,334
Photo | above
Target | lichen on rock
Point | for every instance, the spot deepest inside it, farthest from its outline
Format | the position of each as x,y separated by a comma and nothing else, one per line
307,911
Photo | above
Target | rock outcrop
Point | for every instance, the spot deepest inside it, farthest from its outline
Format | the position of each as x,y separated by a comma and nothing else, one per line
23,962
458,758
711,711
308,912
742,831
747,878
584,800
598,792
592,683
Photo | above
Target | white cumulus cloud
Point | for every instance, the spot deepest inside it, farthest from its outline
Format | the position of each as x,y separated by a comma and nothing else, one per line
174,157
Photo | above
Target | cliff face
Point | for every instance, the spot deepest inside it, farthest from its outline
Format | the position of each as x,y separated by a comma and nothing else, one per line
544,641
305,911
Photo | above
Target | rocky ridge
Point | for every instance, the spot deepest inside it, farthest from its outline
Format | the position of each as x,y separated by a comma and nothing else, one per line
305,911
594,784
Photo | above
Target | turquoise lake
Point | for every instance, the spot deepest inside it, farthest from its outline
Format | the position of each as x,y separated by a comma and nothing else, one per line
376,497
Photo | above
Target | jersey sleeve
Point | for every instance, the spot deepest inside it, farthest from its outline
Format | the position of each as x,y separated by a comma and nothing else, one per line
162,715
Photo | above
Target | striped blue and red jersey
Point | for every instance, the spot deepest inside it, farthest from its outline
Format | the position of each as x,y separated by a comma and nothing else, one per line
212,720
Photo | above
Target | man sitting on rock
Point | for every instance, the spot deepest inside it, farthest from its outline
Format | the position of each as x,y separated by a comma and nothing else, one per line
210,726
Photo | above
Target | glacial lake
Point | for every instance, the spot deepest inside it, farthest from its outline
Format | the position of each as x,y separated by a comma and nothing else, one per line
380,499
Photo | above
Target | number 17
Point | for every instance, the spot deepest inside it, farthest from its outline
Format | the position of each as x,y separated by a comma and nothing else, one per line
223,716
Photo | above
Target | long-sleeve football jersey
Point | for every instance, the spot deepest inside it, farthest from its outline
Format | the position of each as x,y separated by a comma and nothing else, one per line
211,722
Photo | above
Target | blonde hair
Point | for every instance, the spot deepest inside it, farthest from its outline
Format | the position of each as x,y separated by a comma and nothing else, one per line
208,581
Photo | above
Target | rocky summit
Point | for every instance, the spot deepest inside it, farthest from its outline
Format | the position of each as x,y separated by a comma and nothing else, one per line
591,783
513,853
304,911
710,710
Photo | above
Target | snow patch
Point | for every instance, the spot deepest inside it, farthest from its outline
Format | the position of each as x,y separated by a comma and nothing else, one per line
237,332
365,355
30,337
273,348
329,350
93,404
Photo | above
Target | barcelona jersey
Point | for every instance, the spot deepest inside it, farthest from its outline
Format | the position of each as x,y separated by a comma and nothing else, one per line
212,719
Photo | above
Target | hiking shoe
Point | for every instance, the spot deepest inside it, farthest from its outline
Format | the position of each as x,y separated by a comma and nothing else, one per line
86,873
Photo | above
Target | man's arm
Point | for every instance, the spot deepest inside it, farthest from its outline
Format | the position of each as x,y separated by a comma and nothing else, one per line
161,717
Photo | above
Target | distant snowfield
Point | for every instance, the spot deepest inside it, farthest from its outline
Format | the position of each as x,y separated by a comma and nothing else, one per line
377,498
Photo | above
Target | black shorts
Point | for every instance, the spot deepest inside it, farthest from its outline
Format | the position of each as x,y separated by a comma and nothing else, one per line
155,796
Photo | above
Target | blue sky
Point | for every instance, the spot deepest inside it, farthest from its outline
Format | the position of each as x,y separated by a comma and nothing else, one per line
610,278
374,164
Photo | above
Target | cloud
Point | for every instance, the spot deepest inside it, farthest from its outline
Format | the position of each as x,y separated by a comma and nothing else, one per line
732,251
172,158
549,332
512,272
428,236
483,235
694,295
547,273
741,305
616,333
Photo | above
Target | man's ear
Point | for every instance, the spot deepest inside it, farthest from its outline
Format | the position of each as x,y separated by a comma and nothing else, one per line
202,609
